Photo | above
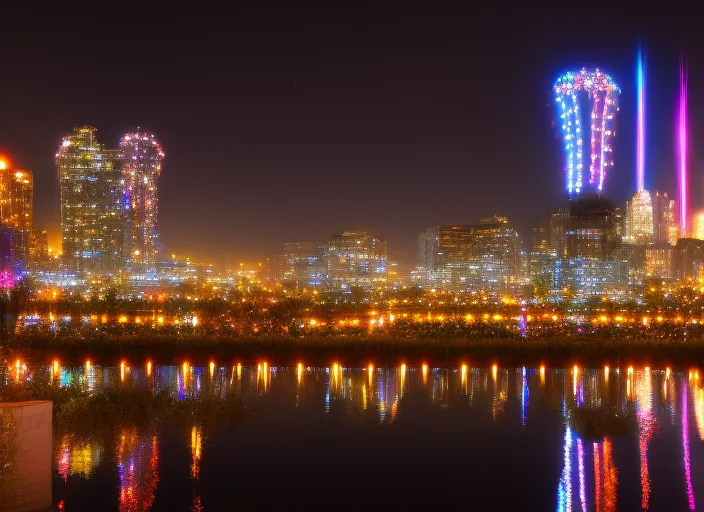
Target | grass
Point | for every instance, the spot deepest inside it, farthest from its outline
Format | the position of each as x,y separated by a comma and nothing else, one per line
92,414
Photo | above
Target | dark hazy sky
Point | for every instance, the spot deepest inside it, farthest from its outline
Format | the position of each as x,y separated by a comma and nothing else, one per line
293,124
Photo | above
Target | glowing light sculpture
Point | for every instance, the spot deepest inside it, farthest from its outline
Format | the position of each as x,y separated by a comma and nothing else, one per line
682,149
600,89
143,157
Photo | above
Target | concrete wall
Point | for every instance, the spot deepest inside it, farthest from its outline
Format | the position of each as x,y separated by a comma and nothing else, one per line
26,481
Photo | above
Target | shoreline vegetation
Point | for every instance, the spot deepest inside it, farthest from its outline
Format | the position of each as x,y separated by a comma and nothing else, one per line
379,349
408,326
102,413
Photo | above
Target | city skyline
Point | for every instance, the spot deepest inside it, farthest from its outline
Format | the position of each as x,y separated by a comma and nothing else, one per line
262,169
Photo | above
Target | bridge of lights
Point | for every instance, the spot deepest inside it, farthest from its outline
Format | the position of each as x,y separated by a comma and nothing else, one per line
570,90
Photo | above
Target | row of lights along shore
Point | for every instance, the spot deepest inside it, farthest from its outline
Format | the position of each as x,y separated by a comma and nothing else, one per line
336,367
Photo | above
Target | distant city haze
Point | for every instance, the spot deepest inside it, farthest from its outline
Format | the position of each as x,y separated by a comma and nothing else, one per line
294,125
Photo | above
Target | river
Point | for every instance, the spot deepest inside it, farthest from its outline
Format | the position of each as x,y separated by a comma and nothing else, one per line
481,438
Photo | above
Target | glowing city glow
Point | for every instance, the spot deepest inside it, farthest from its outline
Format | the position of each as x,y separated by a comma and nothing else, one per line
682,149
7,280
640,157
603,92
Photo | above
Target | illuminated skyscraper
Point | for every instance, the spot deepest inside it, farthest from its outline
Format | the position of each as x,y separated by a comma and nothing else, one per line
141,169
640,225
305,265
665,226
698,227
6,275
484,256
591,229
446,261
558,226
496,248
16,209
92,220
357,259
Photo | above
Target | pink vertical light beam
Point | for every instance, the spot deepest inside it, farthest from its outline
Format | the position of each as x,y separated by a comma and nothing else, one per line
682,149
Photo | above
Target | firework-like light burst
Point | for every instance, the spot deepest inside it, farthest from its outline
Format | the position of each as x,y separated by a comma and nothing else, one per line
682,148
603,92
640,157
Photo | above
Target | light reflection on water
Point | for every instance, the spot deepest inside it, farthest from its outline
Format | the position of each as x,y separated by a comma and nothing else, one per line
494,410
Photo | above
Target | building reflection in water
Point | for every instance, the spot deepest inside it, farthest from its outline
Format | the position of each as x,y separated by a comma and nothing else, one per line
77,458
196,454
524,395
138,470
596,491
589,479
196,447
500,397
605,477
647,426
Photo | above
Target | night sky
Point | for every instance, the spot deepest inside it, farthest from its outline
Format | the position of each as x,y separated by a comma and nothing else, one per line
294,124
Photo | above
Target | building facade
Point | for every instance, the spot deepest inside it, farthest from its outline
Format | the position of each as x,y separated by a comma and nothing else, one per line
305,266
665,226
92,213
357,259
17,212
480,257
141,169
640,225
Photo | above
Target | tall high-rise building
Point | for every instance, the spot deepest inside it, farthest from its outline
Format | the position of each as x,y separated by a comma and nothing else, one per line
665,226
16,210
484,256
447,260
698,226
421,256
558,226
428,249
639,221
357,259
591,229
541,237
6,274
92,214
496,246
141,169
305,266
39,249
542,258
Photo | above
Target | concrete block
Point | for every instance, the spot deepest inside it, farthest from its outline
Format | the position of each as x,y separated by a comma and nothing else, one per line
26,481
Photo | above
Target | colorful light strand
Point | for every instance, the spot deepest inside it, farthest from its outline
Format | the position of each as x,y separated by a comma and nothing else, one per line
682,149
685,448
640,156
603,92
564,487
581,475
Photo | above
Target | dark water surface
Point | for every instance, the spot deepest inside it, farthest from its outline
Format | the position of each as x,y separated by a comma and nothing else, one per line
478,438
